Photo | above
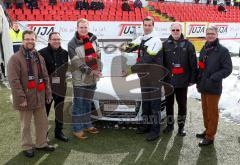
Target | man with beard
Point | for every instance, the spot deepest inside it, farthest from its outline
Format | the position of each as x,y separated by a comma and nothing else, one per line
29,82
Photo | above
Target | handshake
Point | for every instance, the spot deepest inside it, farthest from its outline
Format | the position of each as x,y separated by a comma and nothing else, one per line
96,73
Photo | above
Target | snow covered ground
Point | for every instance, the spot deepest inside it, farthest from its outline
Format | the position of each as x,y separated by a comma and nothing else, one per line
230,99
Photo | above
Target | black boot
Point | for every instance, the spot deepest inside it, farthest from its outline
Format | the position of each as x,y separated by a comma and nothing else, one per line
142,129
152,136
168,129
59,135
201,135
205,142
181,132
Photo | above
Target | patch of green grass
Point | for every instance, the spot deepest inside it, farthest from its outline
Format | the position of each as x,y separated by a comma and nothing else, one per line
121,146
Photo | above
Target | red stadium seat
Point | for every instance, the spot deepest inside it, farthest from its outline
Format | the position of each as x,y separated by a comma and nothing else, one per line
39,17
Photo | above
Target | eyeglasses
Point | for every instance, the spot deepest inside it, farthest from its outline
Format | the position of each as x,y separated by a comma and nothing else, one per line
29,39
175,30
56,39
210,34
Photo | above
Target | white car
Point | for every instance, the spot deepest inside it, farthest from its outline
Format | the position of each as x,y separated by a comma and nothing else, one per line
118,98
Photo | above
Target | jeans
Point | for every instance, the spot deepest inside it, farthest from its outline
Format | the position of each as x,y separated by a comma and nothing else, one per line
81,109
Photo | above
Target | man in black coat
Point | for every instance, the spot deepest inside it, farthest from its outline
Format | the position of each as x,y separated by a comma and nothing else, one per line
214,65
100,5
56,60
86,5
180,59
93,5
79,5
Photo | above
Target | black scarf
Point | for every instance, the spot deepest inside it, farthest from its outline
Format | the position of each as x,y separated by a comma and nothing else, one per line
210,46
31,78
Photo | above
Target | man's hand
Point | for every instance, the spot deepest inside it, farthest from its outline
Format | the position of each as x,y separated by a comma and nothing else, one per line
24,104
124,73
96,73
127,72
123,47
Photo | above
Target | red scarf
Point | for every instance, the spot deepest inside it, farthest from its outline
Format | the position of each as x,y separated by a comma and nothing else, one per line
31,78
90,54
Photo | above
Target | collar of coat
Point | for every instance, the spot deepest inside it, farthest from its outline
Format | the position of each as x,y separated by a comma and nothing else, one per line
214,44
80,42
49,47
152,34
22,50
171,39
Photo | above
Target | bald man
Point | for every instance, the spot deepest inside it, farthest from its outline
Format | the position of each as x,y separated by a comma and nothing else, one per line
180,59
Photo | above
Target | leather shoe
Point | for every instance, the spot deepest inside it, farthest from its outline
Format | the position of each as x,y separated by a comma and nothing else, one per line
92,130
168,129
48,148
29,153
205,142
61,136
142,130
151,136
201,135
181,132
80,135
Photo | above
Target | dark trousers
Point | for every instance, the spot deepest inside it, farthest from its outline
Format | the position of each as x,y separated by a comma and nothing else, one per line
19,5
181,97
58,106
151,103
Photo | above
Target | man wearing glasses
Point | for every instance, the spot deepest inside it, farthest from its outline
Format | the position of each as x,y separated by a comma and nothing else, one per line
29,82
56,60
179,58
214,65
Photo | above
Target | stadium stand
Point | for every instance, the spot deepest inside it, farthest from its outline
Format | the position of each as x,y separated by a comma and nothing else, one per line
66,12
188,12
112,11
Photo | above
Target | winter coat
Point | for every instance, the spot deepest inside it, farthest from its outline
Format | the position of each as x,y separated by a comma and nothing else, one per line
18,79
217,66
80,71
57,66
180,54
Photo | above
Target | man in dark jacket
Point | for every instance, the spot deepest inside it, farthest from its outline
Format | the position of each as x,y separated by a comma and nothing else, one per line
86,5
100,5
126,6
93,5
149,60
214,65
79,5
56,60
180,59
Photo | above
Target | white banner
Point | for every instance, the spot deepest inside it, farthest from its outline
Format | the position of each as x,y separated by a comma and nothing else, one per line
101,29
227,31
196,29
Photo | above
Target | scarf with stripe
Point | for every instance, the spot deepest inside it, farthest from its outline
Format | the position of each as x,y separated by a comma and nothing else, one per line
90,54
31,78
